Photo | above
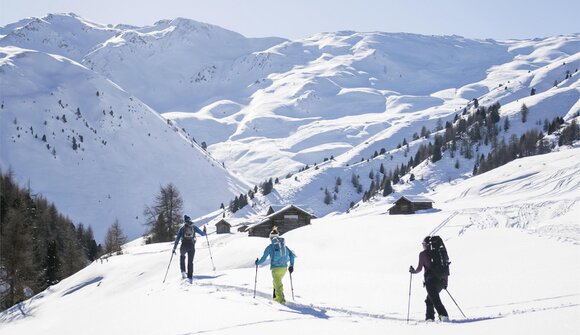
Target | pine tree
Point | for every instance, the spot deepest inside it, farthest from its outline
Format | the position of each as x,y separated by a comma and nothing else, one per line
115,239
506,124
436,153
524,113
168,207
327,197
570,134
388,188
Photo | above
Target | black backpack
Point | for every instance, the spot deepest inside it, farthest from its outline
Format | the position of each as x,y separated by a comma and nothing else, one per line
439,257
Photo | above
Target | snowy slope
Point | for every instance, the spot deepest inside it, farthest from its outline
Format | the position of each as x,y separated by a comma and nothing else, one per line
125,150
64,34
267,107
307,188
351,271
183,58
354,93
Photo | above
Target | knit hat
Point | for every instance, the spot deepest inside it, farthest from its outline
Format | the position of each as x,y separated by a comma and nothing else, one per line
186,218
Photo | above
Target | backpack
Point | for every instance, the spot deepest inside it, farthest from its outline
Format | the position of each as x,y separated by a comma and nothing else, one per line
439,257
279,246
188,233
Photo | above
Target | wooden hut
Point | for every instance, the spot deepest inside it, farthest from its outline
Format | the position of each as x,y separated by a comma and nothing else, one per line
409,204
223,227
287,218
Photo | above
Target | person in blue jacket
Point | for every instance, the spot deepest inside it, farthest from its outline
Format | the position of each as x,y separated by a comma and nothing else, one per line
187,236
279,255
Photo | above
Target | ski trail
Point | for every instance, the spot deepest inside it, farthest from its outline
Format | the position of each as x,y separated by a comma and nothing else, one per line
310,307
443,223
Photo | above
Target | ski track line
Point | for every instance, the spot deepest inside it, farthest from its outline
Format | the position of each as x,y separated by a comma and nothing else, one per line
320,311
443,223
310,306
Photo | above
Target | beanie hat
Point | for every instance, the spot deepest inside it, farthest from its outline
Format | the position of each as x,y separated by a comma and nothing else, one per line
186,218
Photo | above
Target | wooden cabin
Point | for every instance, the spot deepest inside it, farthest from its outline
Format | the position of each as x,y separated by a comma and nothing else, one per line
223,227
409,204
286,218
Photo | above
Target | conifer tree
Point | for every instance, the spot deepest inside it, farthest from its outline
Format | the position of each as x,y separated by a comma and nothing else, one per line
168,207
115,239
524,113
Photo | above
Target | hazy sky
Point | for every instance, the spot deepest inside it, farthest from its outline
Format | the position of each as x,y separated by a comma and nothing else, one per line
498,19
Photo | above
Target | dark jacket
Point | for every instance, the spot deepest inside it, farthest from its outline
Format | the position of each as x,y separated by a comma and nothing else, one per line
180,234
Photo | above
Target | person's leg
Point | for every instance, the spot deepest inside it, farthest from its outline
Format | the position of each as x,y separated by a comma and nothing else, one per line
182,252
429,310
433,289
277,275
190,255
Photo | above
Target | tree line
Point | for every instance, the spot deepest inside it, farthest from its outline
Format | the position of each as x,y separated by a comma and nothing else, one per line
39,246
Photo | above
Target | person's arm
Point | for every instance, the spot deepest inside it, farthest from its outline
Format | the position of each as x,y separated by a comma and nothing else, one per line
292,256
423,260
265,255
199,231
177,238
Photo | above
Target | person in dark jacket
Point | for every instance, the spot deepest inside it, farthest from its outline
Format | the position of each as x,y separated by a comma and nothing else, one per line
187,236
433,284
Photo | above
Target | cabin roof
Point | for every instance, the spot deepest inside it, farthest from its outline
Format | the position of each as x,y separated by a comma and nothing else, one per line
415,198
282,210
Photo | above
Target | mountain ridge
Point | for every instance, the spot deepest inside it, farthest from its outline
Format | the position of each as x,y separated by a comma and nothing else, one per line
268,107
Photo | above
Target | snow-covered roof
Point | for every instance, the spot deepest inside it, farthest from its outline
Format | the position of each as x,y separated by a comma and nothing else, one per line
282,209
416,198
277,208
223,221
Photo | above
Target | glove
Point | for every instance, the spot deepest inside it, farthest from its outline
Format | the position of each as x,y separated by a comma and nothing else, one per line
174,251
411,269
291,268
204,230
256,262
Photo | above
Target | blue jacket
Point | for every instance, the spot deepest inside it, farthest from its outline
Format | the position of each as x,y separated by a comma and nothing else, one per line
278,259
180,234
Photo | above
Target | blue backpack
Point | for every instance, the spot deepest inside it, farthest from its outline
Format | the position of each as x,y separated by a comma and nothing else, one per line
280,253
279,246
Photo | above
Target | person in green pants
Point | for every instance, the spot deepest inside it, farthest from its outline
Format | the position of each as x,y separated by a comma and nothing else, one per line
280,255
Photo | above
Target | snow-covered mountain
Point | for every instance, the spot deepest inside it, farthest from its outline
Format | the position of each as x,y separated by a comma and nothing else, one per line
268,107
97,152
510,273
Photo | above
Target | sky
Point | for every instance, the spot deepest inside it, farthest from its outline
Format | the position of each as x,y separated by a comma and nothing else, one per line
497,19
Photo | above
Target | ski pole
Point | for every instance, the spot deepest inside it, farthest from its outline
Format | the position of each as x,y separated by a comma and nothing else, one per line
255,281
291,286
455,303
210,256
170,259
409,303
